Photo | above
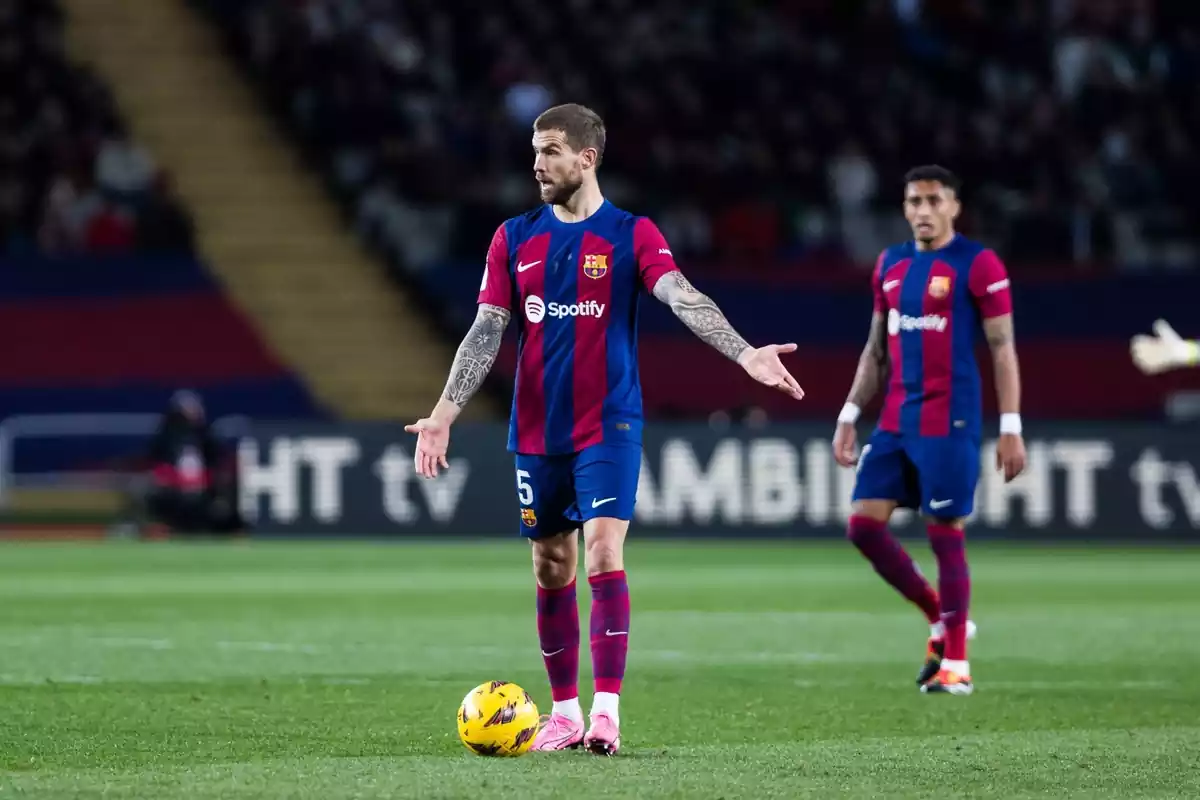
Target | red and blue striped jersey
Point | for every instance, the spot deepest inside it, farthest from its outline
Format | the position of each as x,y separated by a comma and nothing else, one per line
574,289
935,303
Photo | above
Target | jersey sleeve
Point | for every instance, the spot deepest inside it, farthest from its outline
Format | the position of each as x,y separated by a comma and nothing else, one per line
877,285
988,282
496,288
654,257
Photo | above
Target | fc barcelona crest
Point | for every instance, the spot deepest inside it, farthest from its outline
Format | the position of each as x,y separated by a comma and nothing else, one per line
939,286
528,517
595,266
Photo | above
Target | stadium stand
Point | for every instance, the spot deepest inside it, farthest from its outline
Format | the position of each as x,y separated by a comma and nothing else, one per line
104,308
269,231
71,178
416,112
1073,123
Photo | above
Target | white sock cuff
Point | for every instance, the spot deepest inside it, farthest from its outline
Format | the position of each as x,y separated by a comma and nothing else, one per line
607,703
569,709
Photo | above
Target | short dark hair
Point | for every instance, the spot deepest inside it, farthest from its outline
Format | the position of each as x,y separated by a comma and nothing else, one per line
933,172
582,126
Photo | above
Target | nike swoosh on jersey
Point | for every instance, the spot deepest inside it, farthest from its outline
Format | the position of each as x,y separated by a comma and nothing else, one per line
530,265
616,633
598,503
889,285
939,503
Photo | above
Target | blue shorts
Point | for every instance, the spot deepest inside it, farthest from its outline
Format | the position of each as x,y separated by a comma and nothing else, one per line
559,493
936,474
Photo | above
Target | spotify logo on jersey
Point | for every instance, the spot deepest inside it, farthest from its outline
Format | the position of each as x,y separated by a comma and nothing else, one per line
898,323
535,309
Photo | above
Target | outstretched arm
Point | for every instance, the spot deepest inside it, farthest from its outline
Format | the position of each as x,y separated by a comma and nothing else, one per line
697,311
473,361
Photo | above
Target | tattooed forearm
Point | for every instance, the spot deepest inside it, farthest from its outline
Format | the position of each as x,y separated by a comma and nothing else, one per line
872,364
476,354
1000,338
700,314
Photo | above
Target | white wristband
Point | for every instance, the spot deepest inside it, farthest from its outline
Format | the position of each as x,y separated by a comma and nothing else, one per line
849,415
1010,423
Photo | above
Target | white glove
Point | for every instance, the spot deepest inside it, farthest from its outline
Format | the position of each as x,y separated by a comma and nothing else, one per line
1166,350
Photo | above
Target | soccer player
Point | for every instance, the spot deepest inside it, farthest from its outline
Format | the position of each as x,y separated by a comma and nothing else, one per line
1164,351
932,295
572,271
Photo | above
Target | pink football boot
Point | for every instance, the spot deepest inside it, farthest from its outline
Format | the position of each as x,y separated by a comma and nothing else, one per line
603,738
558,732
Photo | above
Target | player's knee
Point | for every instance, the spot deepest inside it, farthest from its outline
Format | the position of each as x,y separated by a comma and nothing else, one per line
604,557
554,561
604,548
876,510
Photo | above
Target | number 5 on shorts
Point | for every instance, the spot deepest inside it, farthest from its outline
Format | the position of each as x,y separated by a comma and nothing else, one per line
524,488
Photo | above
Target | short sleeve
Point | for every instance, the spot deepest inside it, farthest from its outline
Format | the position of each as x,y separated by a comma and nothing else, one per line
988,282
877,285
496,288
654,258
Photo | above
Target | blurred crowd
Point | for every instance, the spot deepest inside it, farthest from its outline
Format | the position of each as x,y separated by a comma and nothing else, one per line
71,178
762,133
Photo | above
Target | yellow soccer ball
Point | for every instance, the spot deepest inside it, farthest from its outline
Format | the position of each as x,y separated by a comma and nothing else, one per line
498,719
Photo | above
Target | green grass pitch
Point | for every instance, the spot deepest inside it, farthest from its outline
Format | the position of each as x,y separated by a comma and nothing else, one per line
780,670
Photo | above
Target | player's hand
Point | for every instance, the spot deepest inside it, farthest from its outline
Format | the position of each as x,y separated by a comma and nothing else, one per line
433,440
1165,350
763,364
845,445
1010,455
